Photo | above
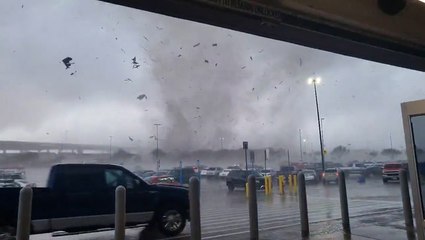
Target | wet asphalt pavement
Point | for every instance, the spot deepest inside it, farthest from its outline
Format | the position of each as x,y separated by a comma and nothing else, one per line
224,215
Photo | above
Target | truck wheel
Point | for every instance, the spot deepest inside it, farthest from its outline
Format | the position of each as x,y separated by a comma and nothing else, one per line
171,221
230,187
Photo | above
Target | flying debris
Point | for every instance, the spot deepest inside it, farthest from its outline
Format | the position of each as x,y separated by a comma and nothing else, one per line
67,62
145,38
131,139
116,38
261,51
128,80
198,108
253,89
196,44
214,45
22,6
280,82
152,137
243,67
73,73
250,57
301,62
216,64
179,55
135,63
159,28
275,87
206,61
142,96
47,133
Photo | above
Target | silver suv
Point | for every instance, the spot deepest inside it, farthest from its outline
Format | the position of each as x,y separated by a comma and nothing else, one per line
330,175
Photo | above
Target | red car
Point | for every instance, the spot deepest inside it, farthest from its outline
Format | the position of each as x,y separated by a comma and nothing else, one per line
166,180
391,171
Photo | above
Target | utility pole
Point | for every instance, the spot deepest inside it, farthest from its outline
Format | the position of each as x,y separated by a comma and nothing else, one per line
158,162
301,144
289,159
110,148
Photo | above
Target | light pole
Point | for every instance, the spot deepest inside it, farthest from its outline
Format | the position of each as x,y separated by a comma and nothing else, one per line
110,148
323,131
158,162
316,81
301,144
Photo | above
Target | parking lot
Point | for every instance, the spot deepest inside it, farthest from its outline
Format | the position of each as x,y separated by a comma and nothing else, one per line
224,215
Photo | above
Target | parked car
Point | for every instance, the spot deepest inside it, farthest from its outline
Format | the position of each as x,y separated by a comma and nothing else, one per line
310,176
268,172
354,169
238,179
201,167
211,171
224,173
286,171
144,173
82,197
8,183
185,173
167,180
391,171
330,175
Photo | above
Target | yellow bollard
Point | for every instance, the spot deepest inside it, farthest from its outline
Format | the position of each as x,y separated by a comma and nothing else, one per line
246,190
266,185
295,181
281,184
271,184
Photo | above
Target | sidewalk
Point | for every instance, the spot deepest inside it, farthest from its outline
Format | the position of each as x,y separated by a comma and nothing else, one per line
375,227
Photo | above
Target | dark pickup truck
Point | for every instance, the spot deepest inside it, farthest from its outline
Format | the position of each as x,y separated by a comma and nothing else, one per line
81,197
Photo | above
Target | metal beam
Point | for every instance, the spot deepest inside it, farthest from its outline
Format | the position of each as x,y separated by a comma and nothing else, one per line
297,27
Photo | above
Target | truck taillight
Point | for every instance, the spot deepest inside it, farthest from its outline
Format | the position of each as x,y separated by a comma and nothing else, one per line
323,174
337,174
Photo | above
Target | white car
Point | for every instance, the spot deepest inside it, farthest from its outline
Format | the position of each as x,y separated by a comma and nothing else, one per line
310,175
211,171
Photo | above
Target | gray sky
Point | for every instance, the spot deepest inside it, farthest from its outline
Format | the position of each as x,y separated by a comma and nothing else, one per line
264,100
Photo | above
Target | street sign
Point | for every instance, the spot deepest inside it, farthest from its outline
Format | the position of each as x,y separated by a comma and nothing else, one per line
245,145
